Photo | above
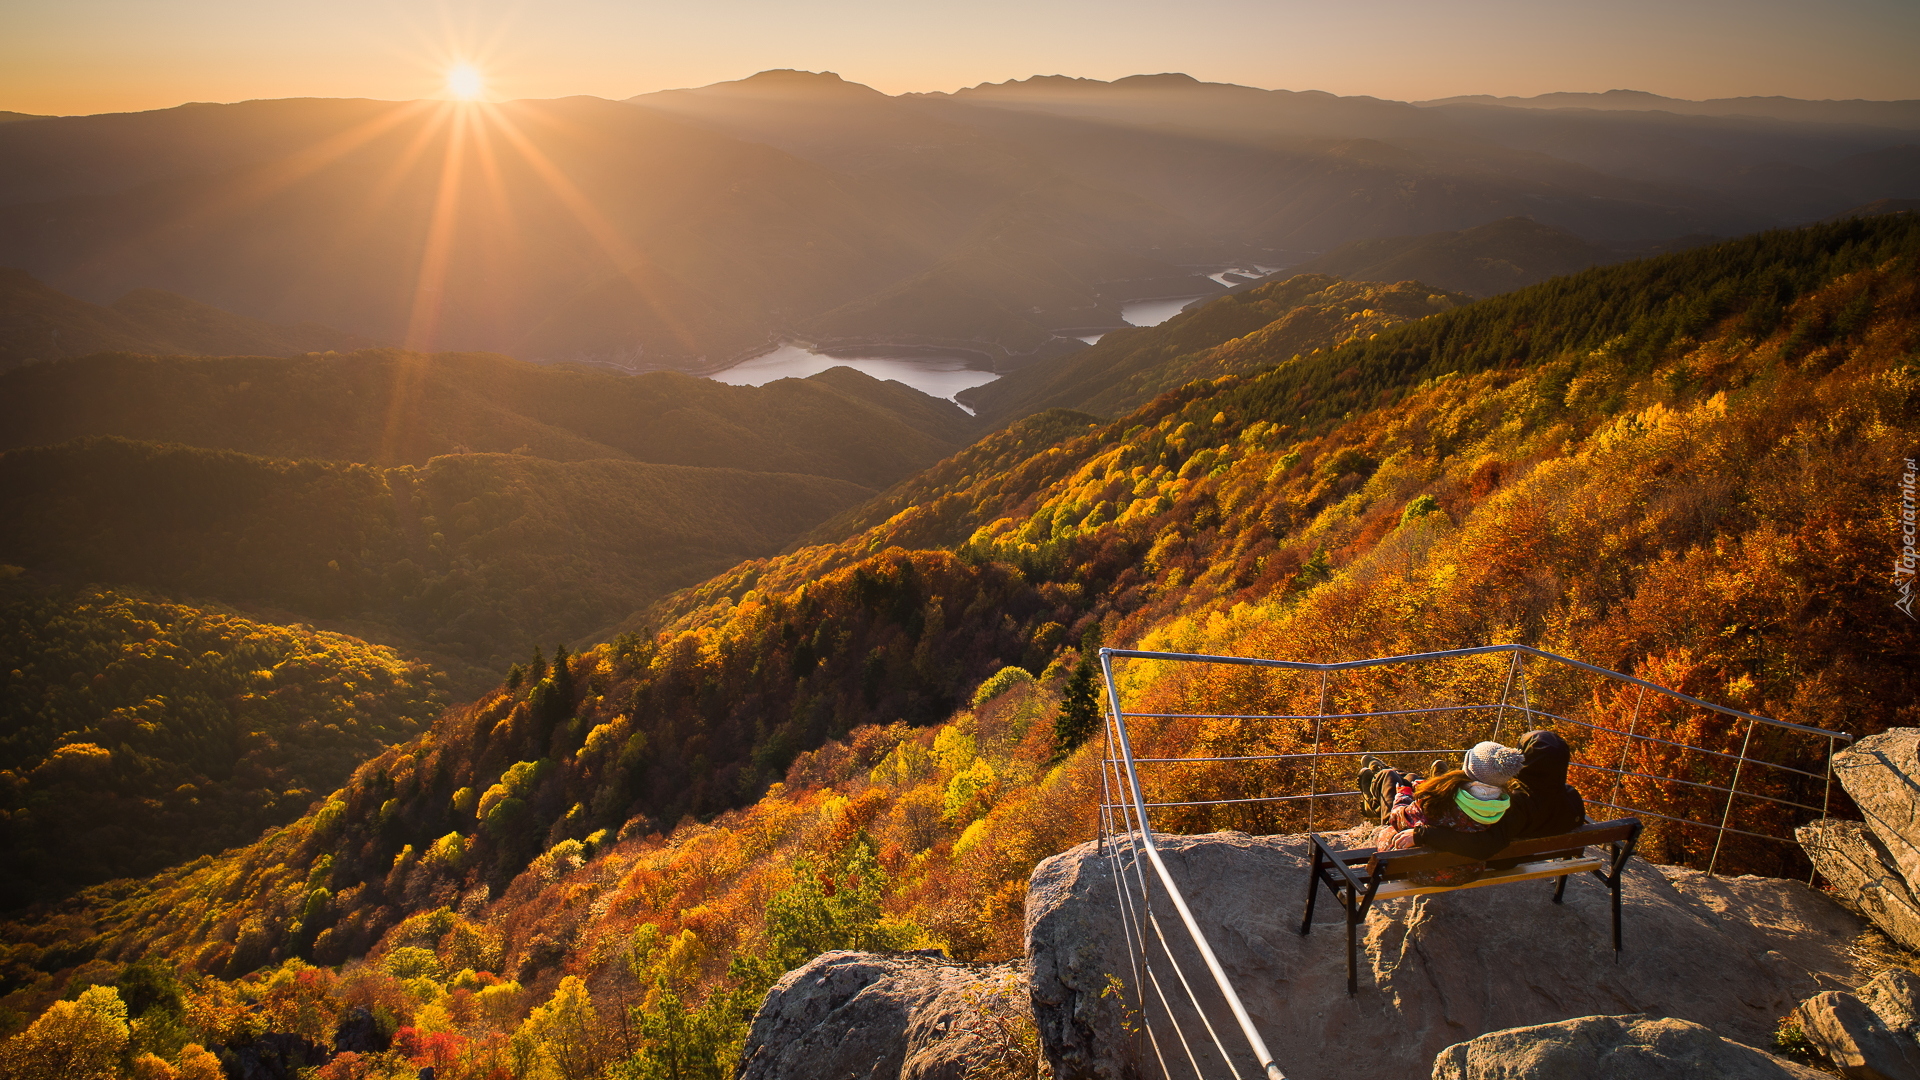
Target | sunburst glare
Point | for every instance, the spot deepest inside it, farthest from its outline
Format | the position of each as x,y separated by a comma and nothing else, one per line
465,82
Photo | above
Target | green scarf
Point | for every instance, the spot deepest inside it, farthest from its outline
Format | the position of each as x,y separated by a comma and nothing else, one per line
1484,811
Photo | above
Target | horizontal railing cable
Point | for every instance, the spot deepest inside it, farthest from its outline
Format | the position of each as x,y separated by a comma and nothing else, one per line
1688,746
1252,799
1308,716
1716,827
1284,757
1694,783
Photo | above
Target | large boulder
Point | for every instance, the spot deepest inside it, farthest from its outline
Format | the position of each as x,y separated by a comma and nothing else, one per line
1868,1035
884,1016
1882,774
1862,872
1733,954
1611,1048
1895,996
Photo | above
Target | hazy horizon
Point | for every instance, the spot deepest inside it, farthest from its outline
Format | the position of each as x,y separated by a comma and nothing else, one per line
93,56
440,94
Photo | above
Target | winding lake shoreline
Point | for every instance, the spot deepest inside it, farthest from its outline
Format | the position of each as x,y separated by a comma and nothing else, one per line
941,376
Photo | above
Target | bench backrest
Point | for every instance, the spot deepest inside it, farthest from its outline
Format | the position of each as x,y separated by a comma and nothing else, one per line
1396,865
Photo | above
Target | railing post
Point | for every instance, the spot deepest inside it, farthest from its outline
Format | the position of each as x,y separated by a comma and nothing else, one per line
1500,718
1103,825
1826,804
1313,779
1620,770
1732,790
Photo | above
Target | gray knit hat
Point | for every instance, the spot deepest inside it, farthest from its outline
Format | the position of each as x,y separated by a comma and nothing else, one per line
1491,763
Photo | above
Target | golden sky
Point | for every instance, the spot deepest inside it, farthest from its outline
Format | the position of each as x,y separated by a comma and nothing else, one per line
87,56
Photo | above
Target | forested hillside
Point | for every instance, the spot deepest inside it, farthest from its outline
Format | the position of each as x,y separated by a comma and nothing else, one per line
468,561
463,507
39,323
1680,467
137,734
386,407
1486,260
1243,332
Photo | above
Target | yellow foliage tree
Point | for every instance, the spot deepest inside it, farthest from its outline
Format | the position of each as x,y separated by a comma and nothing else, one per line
81,1039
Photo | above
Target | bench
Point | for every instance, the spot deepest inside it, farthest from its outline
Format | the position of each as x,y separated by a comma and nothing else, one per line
1360,876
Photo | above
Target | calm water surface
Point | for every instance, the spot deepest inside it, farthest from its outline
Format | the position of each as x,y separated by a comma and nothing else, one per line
1154,312
937,376
1240,275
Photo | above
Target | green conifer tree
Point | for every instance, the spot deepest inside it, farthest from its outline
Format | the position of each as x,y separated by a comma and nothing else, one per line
1079,710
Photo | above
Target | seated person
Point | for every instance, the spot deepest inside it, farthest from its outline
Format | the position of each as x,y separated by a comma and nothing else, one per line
1444,812
1544,804
1540,803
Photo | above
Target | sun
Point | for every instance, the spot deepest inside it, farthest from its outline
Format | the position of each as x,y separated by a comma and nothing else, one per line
465,82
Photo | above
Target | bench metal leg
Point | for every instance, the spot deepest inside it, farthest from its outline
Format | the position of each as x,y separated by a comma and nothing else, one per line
1560,889
1313,891
1353,970
1617,875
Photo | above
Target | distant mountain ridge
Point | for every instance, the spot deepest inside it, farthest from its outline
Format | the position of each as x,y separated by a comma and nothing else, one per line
1902,114
690,228
42,323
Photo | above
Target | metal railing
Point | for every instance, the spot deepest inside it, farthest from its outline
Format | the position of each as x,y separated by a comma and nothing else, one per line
1264,738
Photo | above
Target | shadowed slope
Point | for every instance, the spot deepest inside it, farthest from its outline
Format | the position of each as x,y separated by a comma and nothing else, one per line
390,407
1497,257
40,323
467,560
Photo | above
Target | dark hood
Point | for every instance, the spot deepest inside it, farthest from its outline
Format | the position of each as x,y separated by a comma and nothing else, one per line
1547,756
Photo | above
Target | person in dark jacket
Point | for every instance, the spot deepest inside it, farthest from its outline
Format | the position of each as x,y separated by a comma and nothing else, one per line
1544,804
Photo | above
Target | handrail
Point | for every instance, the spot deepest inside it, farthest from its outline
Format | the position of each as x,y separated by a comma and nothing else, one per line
1448,654
1254,1040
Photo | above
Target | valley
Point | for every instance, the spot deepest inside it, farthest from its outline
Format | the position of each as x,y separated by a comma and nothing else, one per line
881,706
490,588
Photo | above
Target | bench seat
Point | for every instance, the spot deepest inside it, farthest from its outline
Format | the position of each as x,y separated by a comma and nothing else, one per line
1357,877
1527,871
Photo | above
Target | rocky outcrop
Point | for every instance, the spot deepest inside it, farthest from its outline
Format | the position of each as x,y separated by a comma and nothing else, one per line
1862,874
1611,1048
892,1016
1895,997
1868,1035
277,1055
359,1033
1732,954
1882,774
1873,865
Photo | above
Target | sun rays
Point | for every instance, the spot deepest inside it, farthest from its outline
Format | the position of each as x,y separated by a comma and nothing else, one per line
472,210
444,202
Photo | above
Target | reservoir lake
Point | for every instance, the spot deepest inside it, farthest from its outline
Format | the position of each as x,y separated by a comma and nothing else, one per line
937,376
1155,311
